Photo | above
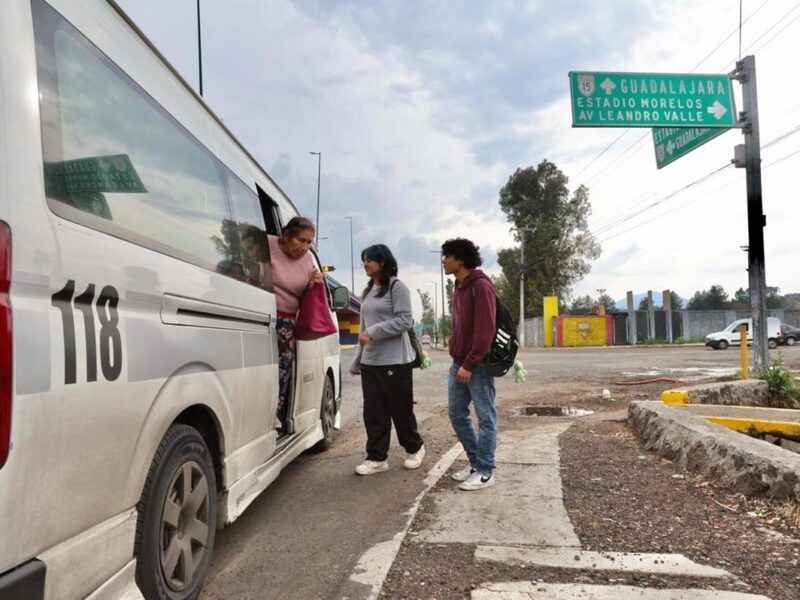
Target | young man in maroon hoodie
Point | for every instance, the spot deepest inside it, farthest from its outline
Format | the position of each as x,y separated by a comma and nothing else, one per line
473,330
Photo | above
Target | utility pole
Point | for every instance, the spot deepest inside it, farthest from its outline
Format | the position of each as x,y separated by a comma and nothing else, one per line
745,73
352,266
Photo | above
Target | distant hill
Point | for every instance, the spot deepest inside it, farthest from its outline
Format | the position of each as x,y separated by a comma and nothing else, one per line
637,298
792,300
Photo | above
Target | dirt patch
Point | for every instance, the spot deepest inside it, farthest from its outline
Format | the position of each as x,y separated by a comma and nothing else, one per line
622,498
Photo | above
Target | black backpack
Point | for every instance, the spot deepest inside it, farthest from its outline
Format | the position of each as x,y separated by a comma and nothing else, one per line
503,351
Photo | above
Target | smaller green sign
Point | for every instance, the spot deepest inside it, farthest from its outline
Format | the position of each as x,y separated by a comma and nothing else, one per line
113,173
671,143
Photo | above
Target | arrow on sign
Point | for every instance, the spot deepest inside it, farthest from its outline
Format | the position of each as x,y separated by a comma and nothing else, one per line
717,109
608,86
670,147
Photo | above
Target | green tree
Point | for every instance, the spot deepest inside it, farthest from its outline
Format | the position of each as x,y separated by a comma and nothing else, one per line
774,298
582,305
427,311
607,301
714,298
553,226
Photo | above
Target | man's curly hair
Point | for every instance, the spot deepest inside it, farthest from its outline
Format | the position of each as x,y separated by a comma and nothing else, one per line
464,250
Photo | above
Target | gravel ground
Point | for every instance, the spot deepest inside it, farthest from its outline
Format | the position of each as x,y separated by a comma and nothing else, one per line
620,498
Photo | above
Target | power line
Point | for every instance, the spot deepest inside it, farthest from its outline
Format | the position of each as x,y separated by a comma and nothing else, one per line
625,218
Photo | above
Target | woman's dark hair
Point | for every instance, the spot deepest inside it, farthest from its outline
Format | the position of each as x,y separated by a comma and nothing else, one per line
296,225
464,250
380,253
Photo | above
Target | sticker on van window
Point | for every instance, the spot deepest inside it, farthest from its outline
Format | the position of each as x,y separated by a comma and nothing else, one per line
109,339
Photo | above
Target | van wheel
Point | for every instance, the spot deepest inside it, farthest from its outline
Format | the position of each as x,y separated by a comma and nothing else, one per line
722,345
772,343
176,525
327,416
790,341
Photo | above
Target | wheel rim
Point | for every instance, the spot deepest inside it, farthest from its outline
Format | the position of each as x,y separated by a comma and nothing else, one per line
790,341
328,409
184,526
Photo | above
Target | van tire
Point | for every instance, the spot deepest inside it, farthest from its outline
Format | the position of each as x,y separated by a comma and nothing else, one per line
327,416
772,343
181,455
722,345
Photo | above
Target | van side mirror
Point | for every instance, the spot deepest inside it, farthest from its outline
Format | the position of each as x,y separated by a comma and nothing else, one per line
341,298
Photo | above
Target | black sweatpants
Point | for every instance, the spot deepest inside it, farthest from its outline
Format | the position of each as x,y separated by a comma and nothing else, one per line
389,398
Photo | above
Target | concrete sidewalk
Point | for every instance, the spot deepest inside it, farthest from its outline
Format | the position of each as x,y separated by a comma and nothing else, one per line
522,520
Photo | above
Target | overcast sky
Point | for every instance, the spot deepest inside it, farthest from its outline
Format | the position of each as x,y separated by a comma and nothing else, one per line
422,110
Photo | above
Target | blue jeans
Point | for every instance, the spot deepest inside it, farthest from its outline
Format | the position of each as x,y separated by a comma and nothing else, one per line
480,391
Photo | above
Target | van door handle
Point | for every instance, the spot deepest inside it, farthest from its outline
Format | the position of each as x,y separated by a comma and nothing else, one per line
178,310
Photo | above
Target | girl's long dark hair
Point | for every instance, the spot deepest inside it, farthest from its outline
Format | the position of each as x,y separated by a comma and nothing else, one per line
380,253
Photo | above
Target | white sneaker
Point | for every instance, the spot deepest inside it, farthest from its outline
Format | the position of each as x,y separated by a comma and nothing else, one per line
477,481
370,467
463,474
415,460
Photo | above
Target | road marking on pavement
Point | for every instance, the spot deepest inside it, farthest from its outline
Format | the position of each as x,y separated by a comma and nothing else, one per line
374,564
664,564
528,590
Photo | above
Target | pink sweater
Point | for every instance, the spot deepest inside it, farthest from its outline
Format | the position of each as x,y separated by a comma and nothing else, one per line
290,277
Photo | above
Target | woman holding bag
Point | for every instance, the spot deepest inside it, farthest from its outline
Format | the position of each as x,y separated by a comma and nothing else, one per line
291,270
384,361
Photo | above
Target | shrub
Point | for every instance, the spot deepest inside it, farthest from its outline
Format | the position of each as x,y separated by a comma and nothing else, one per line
781,383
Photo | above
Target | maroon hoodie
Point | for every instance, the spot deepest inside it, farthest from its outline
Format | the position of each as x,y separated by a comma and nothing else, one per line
473,319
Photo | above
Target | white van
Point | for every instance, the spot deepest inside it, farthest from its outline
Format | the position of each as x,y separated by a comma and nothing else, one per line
730,336
138,364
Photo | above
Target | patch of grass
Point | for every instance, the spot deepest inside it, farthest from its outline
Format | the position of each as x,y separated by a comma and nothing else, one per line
691,340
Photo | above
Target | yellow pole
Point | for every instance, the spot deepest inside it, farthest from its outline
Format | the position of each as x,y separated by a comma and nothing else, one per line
743,350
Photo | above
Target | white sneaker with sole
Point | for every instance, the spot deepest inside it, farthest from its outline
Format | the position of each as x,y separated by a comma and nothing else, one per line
415,460
477,481
463,474
370,467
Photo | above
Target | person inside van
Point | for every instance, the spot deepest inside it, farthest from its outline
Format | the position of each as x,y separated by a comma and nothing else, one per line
290,270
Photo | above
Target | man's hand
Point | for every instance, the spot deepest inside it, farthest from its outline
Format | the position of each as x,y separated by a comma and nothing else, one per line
363,339
316,277
463,375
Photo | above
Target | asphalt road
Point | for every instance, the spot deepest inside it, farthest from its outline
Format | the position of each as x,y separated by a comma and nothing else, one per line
303,537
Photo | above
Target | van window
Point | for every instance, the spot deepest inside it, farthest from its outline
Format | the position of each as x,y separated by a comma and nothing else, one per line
115,160
248,218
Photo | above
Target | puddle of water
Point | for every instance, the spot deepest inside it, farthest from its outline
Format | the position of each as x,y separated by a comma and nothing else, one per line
686,373
550,411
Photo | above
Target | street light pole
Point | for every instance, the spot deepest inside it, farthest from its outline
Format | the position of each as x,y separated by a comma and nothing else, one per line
199,49
352,268
319,173
521,231
435,316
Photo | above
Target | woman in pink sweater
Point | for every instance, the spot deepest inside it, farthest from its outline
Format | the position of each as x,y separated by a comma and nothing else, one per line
288,268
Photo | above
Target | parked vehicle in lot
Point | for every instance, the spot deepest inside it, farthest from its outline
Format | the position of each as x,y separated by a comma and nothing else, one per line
730,336
138,354
425,339
790,335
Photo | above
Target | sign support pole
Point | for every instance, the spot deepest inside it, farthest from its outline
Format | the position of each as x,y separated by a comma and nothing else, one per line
756,221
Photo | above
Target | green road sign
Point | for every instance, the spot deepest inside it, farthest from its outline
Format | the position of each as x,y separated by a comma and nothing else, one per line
113,173
651,100
671,143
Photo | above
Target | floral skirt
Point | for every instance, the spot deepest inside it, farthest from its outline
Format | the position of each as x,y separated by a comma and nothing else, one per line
286,354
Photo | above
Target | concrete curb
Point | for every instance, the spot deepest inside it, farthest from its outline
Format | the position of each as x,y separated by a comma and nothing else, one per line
750,392
734,460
